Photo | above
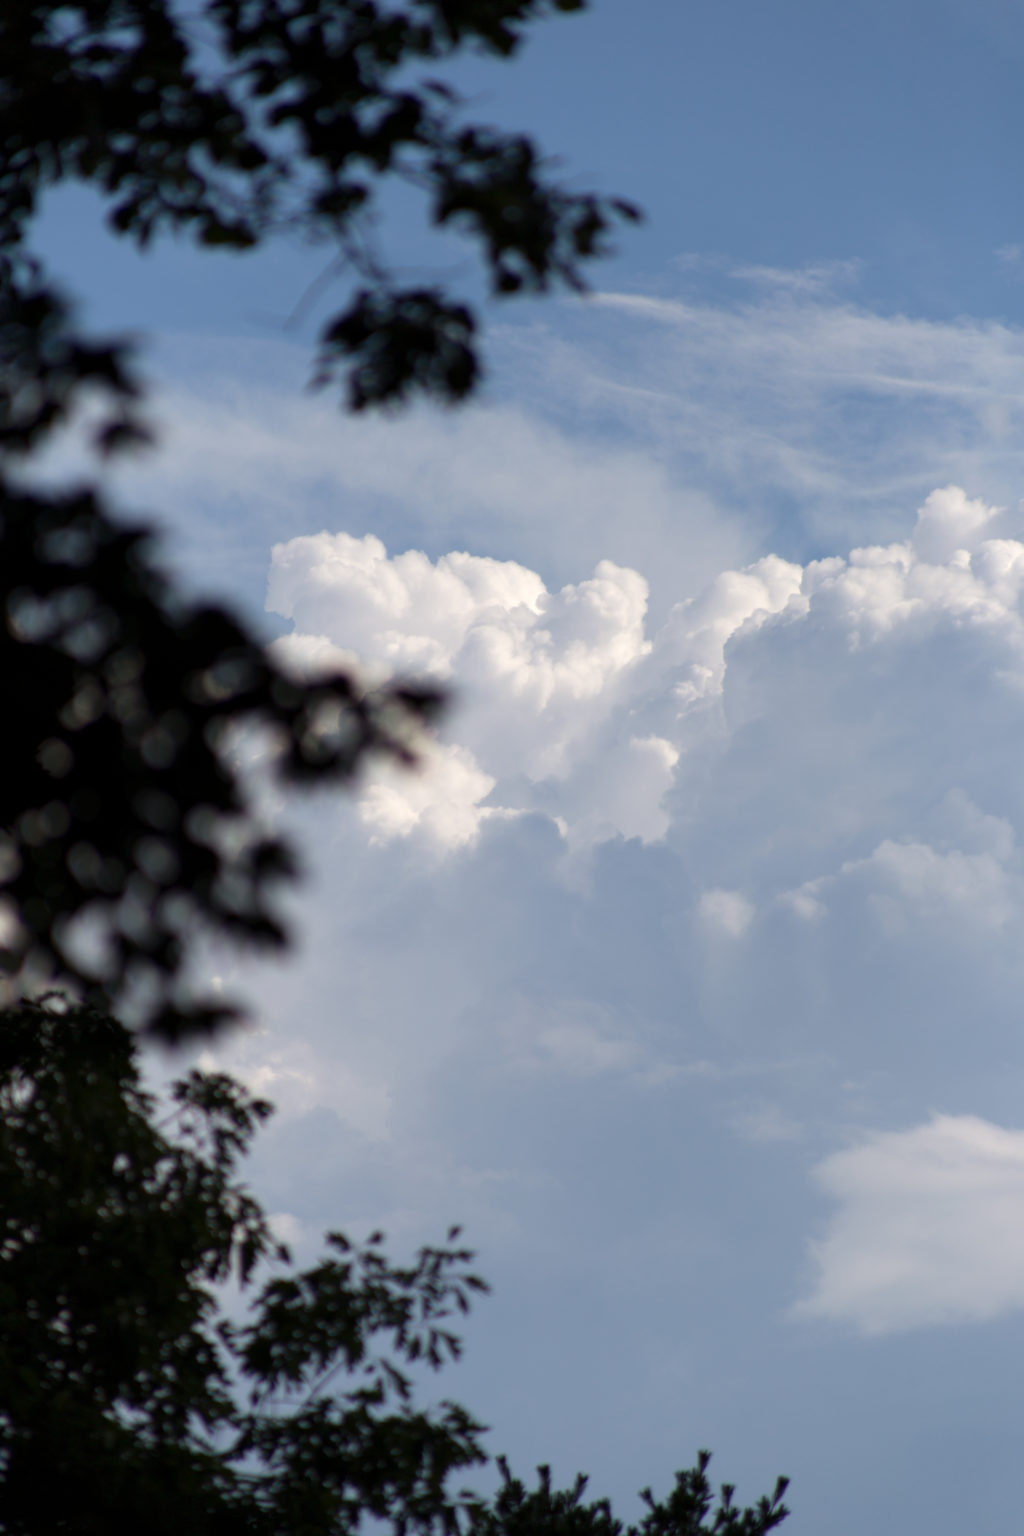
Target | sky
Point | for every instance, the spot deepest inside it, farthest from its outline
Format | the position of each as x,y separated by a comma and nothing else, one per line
687,972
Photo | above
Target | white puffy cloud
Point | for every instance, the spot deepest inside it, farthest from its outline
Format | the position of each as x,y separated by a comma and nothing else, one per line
441,798
407,610
567,707
542,675
929,1227
950,521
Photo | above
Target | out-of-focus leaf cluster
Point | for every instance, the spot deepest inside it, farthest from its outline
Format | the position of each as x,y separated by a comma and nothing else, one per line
129,828
46,368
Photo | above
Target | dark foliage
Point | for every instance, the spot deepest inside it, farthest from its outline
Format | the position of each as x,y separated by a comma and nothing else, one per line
130,1401
689,1510
130,825
126,825
234,120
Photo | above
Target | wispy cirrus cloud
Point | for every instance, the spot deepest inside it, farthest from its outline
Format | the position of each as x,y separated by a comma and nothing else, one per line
677,436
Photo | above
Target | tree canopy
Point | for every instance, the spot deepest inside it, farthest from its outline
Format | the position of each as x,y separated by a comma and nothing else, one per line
132,1396
128,1399
126,828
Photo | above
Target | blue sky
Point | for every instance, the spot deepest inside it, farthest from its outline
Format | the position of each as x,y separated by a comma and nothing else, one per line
688,974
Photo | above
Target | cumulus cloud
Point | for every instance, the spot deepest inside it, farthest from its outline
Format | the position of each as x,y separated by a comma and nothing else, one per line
542,674
929,1228
948,522
566,706
569,708
440,798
